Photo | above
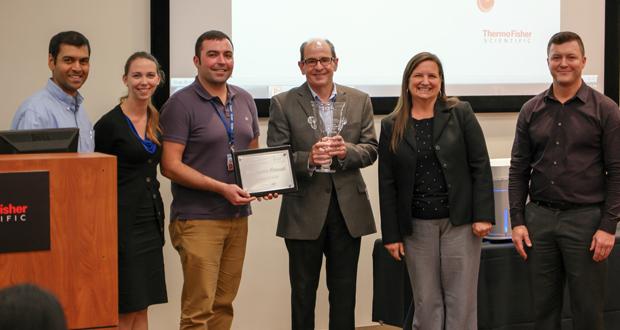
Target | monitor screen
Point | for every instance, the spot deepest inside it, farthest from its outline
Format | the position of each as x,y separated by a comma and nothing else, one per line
488,48
39,140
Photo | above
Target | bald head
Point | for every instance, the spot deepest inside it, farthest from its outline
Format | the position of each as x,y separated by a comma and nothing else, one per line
318,43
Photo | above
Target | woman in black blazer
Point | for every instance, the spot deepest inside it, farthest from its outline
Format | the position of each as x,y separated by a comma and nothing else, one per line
132,133
436,195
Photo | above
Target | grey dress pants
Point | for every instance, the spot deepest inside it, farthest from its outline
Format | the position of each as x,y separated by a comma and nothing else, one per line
443,263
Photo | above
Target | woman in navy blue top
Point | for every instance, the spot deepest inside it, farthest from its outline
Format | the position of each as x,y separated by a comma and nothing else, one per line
131,132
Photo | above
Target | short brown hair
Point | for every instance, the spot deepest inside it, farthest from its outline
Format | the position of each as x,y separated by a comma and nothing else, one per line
210,35
564,37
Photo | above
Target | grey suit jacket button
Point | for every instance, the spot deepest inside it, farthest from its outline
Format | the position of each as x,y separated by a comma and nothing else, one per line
437,147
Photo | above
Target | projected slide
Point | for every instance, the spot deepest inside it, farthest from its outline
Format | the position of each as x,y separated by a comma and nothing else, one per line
488,47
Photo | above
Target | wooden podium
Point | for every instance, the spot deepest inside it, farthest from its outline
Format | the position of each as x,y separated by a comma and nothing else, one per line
81,266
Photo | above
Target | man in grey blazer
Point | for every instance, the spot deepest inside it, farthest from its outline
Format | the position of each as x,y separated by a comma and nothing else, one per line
330,211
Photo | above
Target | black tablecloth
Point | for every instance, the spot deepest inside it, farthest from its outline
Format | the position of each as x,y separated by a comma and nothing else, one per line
503,290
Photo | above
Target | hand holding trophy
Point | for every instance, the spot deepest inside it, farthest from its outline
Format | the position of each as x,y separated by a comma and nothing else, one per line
328,120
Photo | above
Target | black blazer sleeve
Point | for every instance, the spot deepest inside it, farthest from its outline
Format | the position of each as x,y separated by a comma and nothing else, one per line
479,165
388,191
104,136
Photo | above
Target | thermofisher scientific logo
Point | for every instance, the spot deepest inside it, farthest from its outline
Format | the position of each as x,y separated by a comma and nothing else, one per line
10,213
24,211
507,37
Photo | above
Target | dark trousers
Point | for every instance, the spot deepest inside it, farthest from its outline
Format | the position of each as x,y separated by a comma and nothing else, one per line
341,252
561,251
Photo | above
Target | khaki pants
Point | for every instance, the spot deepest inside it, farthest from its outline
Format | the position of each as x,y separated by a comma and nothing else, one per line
212,253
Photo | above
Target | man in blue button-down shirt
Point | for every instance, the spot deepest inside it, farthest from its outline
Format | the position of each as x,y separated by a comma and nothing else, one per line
59,104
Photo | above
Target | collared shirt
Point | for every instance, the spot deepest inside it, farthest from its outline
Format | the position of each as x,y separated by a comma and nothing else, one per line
567,153
326,117
190,117
51,107
326,114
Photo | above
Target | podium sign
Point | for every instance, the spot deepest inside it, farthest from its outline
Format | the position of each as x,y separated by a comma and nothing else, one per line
64,203
24,211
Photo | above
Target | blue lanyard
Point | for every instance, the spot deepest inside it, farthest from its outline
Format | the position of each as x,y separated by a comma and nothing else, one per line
230,127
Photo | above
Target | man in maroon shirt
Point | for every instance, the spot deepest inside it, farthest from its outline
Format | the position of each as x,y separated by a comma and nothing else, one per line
565,156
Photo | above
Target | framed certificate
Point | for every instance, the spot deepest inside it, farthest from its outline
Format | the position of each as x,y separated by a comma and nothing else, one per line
266,170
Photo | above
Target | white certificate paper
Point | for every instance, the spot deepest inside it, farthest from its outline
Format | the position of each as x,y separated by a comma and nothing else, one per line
264,171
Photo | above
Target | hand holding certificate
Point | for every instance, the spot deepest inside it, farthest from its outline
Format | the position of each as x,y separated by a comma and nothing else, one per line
264,171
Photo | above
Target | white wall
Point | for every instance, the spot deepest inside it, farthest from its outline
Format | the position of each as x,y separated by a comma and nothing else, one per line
116,28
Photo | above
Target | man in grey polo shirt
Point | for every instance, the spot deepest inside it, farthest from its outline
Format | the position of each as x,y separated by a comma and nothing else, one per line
202,124
59,104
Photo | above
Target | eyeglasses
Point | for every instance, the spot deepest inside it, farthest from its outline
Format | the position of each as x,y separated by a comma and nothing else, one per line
314,61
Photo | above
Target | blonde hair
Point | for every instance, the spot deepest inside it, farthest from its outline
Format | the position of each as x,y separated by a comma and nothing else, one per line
153,129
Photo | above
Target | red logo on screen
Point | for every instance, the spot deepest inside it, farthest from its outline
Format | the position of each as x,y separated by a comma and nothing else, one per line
10,213
485,6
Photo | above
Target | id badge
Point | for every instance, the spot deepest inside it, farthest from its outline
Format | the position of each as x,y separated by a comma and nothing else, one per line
230,166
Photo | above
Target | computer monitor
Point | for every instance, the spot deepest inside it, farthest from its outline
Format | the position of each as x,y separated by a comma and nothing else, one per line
39,140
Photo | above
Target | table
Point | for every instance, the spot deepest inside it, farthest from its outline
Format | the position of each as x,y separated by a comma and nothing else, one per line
503,290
